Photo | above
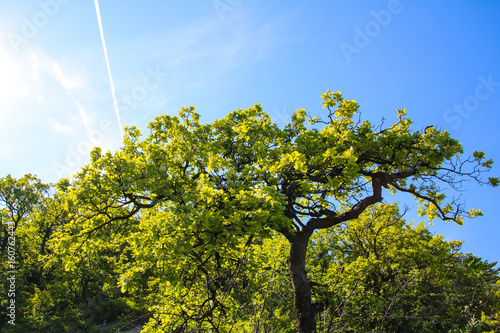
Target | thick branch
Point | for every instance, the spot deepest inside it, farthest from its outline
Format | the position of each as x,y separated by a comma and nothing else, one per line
378,180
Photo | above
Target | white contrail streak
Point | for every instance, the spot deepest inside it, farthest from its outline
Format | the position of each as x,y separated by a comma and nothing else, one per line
107,64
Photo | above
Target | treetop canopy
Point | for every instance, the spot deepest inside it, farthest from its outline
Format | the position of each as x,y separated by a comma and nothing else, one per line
242,173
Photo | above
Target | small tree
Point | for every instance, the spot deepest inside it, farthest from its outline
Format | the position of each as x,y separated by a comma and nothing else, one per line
18,198
195,196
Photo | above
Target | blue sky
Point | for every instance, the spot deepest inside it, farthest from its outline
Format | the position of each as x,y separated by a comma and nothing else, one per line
439,60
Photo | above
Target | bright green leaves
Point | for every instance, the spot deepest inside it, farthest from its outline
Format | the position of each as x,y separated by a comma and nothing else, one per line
19,199
344,112
293,160
330,99
345,108
20,195
475,212
190,118
494,181
479,156
95,154
379,273
298,119
184,202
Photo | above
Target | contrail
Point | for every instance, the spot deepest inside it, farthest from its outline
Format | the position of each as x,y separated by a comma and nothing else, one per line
109,68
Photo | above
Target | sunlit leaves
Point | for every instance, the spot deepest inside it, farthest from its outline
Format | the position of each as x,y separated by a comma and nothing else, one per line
379,273
182,206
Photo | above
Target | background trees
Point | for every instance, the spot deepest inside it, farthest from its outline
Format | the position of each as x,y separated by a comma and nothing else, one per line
386,275
18,200
52,295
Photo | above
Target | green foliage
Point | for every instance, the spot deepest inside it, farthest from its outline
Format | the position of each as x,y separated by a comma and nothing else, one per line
206,227
49,298
380,274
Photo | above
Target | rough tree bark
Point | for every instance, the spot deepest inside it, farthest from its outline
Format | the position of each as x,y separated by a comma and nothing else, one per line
306,320
299,240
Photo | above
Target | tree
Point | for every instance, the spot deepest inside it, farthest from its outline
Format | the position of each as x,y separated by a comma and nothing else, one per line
17,201
380,274
206,192
48,297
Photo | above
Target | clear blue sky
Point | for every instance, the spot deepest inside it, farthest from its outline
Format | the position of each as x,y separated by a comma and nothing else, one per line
437,59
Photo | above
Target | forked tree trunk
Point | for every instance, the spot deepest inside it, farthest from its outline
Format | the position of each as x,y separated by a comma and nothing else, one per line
306,321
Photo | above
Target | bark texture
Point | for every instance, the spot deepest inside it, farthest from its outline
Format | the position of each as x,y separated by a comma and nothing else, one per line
306,320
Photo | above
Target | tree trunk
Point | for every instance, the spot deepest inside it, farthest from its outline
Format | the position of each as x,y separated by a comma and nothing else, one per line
5,239
46,236
306,321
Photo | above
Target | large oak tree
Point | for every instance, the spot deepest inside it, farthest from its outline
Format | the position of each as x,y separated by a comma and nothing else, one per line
191,197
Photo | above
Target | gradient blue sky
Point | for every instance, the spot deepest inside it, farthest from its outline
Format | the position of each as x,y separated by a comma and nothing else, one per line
437,59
